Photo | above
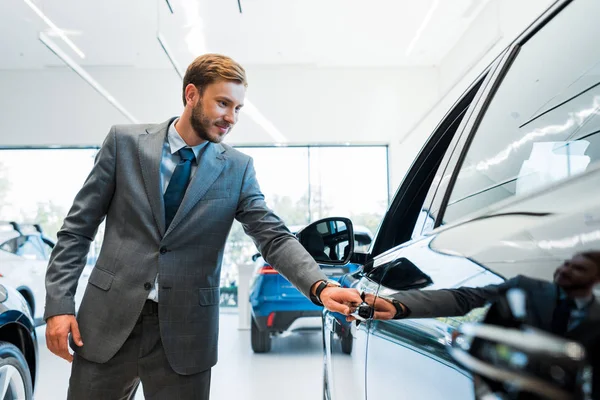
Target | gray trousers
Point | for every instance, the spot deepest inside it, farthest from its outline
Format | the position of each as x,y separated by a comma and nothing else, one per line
142,358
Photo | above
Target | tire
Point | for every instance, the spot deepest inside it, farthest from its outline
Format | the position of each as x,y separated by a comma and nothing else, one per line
347,344
261,341
15,371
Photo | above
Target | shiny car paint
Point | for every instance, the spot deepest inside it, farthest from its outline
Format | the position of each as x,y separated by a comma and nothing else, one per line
17,326
522,226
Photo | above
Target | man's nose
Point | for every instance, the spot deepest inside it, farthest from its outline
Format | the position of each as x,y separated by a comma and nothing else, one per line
230,117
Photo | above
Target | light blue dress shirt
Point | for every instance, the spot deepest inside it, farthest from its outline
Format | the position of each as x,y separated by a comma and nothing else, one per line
169,160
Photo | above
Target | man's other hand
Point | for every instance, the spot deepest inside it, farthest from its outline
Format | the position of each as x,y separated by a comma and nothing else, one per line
58,328
340,300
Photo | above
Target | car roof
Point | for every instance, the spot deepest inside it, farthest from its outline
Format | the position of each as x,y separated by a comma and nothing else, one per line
10,230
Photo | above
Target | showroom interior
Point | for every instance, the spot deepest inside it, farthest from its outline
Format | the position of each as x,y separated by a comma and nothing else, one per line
342,95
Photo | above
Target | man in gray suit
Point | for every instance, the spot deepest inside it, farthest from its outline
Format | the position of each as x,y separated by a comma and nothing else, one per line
169,193
566,307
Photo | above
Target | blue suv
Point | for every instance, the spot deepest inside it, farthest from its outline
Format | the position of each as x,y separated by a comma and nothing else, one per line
277,306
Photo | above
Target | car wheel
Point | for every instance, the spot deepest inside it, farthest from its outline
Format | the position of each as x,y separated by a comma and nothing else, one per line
347,344
14,373
261,341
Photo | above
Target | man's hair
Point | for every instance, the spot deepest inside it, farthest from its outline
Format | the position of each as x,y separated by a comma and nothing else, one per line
593,256
210,68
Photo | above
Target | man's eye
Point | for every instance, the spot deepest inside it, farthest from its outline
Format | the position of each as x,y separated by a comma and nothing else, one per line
223,103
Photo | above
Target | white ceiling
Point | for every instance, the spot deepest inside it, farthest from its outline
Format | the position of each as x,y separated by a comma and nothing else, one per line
344,33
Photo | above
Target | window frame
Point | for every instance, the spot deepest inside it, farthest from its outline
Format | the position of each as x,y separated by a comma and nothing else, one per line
503,68
397,213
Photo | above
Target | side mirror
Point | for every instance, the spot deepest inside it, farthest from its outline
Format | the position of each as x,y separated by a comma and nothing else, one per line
329,241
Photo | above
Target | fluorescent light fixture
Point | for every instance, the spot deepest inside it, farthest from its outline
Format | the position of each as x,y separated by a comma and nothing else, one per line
264,122
55,28
424,24
165,47
195,38
169,5
84,75
196,44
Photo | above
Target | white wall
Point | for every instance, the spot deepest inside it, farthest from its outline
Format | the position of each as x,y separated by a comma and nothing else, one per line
307,104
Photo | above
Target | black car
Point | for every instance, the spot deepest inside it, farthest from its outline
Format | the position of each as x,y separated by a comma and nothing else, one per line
507,185
18,347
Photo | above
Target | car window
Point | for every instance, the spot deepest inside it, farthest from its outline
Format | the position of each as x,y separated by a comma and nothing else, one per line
542,124
28,247
406,215
47,250
10,245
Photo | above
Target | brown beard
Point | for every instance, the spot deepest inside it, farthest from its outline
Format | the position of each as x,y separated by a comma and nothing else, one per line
200,123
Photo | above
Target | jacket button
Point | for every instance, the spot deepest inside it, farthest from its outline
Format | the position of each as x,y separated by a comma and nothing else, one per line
147,286
163,250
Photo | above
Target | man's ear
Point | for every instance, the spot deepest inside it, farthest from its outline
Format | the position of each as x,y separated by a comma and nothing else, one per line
192,94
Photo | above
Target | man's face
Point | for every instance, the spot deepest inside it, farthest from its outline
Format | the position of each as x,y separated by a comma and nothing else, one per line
217,110
577,273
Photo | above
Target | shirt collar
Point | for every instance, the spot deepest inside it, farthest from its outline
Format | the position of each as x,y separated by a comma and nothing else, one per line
176,143
583,302
580,302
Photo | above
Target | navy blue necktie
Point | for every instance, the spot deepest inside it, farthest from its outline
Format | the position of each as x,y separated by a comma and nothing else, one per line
178,184
561,316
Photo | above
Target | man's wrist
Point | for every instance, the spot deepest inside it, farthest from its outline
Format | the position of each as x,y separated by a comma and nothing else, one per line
318,288
401,310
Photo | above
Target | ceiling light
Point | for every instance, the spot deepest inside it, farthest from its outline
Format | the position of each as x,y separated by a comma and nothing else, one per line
264,123
84,75
424,24
165,47
195,38
169,5
55,28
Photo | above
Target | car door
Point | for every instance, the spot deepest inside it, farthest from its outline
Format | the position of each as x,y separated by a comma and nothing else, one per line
408,357
513,200
345,344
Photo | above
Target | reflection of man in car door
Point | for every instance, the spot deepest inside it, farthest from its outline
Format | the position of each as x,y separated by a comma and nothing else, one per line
566,307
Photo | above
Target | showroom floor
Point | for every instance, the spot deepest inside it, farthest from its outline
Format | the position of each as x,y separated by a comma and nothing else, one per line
292,370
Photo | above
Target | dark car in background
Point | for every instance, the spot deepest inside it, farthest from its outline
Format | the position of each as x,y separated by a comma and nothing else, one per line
278,307
24,254
507,185
18,347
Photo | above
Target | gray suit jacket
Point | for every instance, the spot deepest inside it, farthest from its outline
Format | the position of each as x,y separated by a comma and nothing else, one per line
124,187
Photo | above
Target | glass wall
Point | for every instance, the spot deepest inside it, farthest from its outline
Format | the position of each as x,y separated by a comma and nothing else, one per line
38,185
301,184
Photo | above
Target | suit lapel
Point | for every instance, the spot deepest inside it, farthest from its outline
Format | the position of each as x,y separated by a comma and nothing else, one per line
150,147
589,325
210,166
545,303
594,311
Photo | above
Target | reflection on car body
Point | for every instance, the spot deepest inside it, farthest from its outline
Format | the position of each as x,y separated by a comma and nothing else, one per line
506,185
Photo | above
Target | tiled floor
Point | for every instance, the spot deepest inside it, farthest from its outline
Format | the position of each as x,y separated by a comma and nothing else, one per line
291,371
